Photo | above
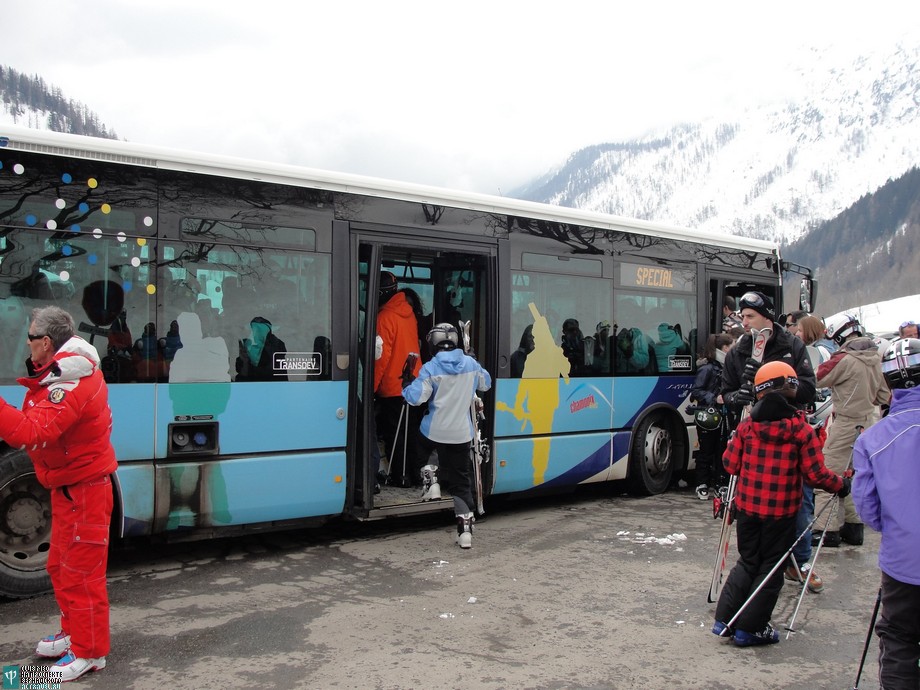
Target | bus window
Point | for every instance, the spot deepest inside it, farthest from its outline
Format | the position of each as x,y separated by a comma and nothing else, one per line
655,319
578,311
105,282
264,313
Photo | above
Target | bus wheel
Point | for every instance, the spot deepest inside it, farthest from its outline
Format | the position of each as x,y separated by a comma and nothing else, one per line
651,456
25,528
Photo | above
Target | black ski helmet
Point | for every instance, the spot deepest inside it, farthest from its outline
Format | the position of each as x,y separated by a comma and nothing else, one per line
387,287
901,363
708,419
442,337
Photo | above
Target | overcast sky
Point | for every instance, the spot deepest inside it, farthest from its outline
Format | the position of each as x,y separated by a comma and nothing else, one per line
480,95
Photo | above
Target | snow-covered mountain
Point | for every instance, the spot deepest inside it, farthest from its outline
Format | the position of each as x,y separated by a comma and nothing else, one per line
28,101
773,172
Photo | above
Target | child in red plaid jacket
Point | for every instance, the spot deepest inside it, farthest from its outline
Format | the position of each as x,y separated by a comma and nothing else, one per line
772,451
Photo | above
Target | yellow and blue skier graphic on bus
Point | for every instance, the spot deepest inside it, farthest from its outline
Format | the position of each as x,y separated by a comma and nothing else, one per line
538,391
553,429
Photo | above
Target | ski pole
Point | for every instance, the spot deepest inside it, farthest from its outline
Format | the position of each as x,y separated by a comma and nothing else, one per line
763,582
790,627
405,440
878,601
396,440
830,517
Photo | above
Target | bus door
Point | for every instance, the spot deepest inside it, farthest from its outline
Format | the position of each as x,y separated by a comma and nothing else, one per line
452,284
723,297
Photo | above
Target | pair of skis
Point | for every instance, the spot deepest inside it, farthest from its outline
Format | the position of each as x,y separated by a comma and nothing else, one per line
722,505
480,449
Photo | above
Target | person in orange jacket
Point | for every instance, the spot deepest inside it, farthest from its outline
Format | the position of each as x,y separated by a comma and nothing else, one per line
397,337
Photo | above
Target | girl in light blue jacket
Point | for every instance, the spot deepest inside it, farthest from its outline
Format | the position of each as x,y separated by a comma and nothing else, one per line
448,383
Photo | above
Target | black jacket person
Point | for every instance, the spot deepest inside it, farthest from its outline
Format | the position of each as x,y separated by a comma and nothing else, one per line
757,312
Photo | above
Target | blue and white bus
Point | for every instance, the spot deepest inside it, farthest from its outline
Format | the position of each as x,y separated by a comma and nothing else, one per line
588,323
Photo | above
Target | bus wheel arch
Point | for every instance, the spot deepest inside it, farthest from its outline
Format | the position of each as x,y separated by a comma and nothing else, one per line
25,528
657,451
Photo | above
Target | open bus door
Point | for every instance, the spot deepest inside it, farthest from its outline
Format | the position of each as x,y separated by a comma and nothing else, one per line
453,285
725,291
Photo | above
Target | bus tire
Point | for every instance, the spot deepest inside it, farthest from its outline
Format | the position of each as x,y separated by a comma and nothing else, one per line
651,456
25,528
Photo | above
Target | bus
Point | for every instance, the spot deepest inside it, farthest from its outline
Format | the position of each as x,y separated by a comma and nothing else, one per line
168,261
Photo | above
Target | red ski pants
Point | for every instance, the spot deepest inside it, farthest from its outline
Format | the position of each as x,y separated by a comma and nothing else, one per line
77,560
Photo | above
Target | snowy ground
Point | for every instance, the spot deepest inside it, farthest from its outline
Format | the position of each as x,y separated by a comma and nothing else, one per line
885,317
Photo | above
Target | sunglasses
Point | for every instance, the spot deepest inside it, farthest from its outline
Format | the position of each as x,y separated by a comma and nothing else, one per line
37,337
907,323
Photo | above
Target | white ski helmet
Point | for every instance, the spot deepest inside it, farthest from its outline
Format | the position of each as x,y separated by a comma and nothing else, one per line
901,363
840,326
443,337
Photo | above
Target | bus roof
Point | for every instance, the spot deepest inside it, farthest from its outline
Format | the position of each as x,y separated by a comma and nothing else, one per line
56,143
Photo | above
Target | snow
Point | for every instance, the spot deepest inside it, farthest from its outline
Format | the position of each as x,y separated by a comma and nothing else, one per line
776,170
885,317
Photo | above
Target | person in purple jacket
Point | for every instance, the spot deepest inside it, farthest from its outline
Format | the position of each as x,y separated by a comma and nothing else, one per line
885,490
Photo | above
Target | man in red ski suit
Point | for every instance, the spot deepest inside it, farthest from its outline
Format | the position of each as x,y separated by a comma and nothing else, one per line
65,426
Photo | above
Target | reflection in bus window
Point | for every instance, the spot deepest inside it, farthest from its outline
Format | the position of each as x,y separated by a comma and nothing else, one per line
199,358
261,302
566,302
654,332
104,282
261,355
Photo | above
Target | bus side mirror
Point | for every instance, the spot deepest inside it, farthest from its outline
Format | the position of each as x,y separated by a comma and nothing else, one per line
808,295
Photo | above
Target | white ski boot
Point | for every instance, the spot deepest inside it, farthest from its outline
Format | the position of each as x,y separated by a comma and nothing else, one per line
465,530
431,488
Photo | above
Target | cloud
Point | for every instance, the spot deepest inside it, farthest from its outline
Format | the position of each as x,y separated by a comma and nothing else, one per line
481,95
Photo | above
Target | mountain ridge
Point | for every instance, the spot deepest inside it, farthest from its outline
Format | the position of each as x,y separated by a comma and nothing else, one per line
30,102
773,173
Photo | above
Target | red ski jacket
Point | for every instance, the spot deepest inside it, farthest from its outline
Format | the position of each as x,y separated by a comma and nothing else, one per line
65,424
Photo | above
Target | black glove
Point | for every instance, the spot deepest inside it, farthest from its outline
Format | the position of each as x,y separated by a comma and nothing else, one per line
845,491
741,397
750,370
407,375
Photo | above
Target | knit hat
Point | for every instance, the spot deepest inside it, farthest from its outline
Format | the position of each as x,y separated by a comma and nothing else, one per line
759,302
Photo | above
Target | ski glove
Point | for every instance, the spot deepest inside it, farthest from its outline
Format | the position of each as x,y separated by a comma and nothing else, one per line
741,397
845,491
407,376
750,370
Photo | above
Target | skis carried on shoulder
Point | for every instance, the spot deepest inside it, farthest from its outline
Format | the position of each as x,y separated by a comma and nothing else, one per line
723,504
479,450
480,453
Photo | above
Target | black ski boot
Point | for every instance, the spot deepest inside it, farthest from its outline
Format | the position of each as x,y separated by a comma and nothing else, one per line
831,539
852,533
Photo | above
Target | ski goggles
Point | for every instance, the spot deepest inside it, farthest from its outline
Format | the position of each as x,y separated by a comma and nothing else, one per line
753,299
757,302
907,323
790,382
